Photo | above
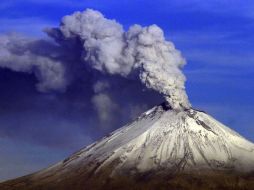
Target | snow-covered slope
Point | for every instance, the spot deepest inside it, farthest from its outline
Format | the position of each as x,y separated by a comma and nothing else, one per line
165,148
165,139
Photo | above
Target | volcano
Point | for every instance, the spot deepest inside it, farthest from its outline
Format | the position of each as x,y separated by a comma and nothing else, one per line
163,148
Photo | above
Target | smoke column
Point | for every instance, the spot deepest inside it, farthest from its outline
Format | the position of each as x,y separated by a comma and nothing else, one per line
140,50
101,44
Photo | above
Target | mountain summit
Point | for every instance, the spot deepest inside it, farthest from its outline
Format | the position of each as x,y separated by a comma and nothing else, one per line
164,148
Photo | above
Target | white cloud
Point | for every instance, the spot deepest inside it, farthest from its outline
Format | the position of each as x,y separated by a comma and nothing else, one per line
215,48
220,58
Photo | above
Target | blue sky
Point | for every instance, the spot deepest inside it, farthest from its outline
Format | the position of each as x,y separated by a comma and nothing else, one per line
215,36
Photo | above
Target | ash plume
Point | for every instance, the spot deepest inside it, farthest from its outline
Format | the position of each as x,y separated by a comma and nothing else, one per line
20,54
141,51
86,45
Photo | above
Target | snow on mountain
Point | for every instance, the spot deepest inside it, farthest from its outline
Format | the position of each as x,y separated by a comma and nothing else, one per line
162,138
